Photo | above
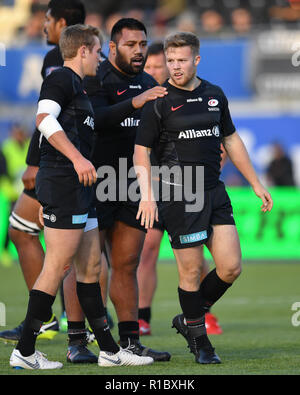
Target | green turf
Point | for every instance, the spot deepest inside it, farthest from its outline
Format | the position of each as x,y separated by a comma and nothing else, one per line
255,314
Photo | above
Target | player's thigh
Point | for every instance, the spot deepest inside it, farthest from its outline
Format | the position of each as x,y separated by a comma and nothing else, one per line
28,208
62,244
224,246
88,256
126,245
189,264
152,240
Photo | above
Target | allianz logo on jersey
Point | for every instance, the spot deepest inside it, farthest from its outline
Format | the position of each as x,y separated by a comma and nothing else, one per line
90,122
129,122
193,100
135,86
193,134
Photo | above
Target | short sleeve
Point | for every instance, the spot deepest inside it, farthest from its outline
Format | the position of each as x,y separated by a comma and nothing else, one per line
227,125
150,126
58,87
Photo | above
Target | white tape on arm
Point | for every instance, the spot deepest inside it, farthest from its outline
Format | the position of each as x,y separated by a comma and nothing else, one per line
47,106
49,124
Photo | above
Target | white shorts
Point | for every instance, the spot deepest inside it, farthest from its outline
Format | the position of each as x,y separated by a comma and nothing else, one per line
91,224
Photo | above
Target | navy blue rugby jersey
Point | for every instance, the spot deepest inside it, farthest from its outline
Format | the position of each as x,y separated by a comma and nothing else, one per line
65,87
186,128
116,120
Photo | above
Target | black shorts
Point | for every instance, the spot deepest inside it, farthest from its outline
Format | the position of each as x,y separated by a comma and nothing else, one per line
123,210
65,201
190,229
109,212
31,193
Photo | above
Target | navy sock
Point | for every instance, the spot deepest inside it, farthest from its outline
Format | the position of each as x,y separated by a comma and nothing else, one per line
212,288
89,296
39,309
76,330
145,314
128,330
191,303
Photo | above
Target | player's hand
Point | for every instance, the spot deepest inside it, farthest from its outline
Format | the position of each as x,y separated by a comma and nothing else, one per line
265,196
86,171
148,95
29,176
147,213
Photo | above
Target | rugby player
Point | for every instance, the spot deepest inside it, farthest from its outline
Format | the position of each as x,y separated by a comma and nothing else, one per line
24,222
185,130
65,119
118,93
146,274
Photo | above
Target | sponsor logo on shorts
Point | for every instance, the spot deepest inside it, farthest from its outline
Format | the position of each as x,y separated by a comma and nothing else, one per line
51,217
193,237
79,219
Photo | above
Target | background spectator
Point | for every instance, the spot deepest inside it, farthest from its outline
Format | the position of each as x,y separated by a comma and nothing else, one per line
280,170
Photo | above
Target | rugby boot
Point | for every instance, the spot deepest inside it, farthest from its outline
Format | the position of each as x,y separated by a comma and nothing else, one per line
134,346
212,325
204,352
144,328
79,353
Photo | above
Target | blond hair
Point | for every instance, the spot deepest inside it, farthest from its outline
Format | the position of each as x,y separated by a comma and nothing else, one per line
75,36
183,39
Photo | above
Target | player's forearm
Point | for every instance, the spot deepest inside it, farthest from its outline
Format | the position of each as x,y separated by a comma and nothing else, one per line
110,114
51,129
61,143
239,156
142,166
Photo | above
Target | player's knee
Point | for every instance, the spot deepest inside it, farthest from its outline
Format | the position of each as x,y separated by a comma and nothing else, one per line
93,271
149,257
128,264
190,279
18,237
233,272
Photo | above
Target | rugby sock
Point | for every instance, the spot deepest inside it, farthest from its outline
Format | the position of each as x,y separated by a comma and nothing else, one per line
89,296
76,330
212,288
189,302
145,314
128,329
194,313
39,309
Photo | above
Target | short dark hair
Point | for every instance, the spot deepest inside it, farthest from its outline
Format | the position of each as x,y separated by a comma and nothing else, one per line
73,11
126,23
156,48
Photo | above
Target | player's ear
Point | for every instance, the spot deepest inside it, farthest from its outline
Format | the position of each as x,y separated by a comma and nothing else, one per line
197,60
112,48
82,51
62,23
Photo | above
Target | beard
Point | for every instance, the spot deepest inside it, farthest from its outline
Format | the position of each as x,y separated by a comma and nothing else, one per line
129,68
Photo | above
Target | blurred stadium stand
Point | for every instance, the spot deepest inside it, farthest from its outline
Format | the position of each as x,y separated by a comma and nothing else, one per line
251,48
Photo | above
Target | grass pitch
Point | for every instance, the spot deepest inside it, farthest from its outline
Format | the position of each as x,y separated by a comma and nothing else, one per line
255,313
